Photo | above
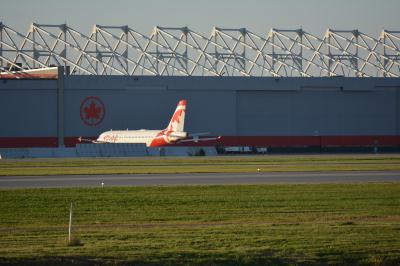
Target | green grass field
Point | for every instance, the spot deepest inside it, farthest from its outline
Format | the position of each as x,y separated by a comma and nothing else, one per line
348,224
226,164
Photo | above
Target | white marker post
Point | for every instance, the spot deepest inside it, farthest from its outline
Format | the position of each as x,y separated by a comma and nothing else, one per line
70,224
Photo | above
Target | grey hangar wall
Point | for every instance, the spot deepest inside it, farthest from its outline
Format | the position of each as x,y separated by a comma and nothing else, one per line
265,111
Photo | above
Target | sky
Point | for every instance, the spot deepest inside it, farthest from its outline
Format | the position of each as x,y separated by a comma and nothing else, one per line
314,16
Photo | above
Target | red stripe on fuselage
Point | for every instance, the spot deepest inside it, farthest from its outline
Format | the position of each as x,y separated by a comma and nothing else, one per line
159,140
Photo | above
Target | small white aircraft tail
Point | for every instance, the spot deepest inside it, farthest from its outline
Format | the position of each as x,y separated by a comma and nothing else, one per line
177,122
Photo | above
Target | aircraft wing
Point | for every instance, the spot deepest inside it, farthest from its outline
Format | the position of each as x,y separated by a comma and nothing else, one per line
80,139
196,138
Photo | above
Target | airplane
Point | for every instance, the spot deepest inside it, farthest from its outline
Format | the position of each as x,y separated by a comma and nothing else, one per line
174,133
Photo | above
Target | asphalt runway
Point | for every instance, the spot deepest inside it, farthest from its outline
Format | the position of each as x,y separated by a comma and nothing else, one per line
196,179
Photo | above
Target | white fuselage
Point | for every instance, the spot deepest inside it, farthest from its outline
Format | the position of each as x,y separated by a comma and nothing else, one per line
129,136
152,138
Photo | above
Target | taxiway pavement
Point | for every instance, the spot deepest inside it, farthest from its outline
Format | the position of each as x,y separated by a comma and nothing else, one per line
11,182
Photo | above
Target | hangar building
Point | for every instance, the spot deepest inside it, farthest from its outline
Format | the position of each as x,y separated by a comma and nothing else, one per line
288,89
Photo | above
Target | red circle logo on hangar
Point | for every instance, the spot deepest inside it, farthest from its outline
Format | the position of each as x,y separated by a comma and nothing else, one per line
92,111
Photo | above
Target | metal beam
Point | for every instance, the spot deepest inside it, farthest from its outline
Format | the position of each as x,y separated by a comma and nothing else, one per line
120,50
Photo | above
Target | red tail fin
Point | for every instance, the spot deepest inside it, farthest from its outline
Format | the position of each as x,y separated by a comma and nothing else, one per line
177,122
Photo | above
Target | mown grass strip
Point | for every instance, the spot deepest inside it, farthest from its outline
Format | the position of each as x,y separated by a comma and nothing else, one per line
197,225
225,164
